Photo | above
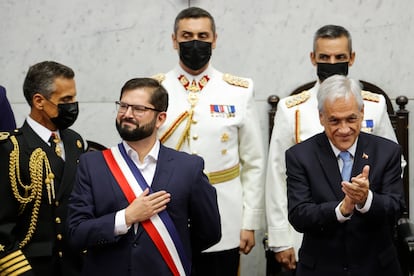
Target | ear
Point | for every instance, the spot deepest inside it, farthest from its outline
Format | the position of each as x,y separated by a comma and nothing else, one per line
162,116
321,119
213,44
313,58
38,101
174,41
362,114
352,59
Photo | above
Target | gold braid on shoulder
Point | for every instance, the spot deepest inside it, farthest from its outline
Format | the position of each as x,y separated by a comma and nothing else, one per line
32,192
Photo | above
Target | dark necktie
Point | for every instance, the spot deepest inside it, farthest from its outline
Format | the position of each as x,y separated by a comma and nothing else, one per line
347,167
54,143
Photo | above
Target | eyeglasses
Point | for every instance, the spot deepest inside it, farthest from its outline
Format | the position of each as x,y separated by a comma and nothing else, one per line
137,110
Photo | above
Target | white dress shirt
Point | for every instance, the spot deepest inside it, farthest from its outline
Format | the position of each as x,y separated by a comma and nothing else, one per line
147,169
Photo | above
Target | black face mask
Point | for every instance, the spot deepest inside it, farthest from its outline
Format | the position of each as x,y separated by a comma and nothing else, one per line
325,70
67,115
195,53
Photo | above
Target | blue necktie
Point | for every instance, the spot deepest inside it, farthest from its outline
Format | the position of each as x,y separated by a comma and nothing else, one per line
347,168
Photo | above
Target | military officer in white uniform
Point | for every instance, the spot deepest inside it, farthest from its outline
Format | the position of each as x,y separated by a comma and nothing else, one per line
213,115
297,119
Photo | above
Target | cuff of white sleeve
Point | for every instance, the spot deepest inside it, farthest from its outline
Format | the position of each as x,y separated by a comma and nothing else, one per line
367,204
341,218
280,248
121,227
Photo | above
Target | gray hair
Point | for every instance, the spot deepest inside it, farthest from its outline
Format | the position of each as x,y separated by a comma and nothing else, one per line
332,32
338,86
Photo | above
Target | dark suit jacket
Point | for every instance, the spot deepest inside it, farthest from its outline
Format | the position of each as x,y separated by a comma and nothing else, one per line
48,241
362,245
7,121
97,197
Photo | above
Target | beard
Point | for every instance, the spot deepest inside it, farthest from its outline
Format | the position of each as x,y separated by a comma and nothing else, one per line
136,134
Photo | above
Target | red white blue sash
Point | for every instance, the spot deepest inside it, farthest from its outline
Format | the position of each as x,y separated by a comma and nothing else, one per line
159,227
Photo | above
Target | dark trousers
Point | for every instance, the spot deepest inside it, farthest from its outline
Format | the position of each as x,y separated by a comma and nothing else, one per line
221,263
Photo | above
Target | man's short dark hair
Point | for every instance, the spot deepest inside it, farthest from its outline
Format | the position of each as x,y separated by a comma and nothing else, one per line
194,12
159,95
332,32
41,77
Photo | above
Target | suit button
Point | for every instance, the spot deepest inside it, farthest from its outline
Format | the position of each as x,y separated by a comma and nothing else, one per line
59,237
60,254
135,244
57,220
57,203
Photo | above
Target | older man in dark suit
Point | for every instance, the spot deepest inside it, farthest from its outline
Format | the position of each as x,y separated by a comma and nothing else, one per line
345,191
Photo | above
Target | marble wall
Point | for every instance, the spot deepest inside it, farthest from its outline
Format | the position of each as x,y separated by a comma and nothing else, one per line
108,42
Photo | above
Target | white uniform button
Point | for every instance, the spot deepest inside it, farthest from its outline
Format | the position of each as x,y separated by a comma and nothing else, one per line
195,137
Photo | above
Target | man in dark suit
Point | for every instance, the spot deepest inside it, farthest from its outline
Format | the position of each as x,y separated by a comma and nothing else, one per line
36,177
141,208
347,221
7,121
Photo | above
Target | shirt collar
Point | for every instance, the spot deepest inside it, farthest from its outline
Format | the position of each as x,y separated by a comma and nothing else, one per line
351,150
43,132
152,154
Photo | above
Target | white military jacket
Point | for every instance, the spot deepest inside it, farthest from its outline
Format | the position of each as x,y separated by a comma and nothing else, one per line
297,118
220,123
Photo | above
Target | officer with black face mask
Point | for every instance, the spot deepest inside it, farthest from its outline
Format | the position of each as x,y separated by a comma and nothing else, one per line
297,119
213,115
37,168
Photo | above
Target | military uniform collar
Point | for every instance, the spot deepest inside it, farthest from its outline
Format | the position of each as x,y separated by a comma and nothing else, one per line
43,132
208,72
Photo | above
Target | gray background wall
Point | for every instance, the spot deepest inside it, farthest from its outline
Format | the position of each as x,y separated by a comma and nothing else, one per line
108,42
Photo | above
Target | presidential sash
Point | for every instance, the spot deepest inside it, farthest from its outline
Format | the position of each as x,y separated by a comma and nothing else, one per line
159,227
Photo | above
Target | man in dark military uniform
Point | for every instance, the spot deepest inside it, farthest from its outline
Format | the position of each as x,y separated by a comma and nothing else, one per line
37,168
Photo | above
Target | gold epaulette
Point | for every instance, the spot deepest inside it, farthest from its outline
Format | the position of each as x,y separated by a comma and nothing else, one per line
369,96
237,81
294,100
159,77
6,135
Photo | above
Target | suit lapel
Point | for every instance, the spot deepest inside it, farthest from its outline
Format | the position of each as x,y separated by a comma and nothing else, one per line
329,164
361,155
164,169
